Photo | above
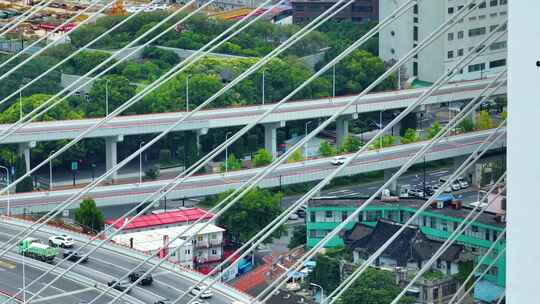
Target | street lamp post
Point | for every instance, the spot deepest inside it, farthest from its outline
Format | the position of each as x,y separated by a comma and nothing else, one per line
50,172
306,144
263,81
140,163
107,97
187,92
7,180
226,152
322,291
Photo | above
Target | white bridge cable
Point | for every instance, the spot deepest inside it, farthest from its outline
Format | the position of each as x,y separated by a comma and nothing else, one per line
474,271
465,224
259,237
470,108
481,276
475,155
289,40
102,64
453,237
164,188
283,156
22,18
67,21
318,187
142,203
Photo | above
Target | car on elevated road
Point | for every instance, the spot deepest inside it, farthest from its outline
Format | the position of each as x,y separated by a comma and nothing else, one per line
62,241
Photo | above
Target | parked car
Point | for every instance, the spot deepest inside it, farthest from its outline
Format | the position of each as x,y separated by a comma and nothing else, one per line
455,185
63,241
198,292
164,301
338,160
463,183
147,280
301,213
429,190
416,193
121,286
74,256
293,217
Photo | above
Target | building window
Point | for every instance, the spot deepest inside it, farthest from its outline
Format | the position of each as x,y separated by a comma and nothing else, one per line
199,238
497,63
493,3
187,252
481,17
415,68
503,2
450,36
487,235
482,5
415,9
392,51
415,19
329,214
299,7
344,215
460,35
450,54
392,33
475,228
450,10
436,293
312,216
214,252
460,52
492,28
415,33
477,31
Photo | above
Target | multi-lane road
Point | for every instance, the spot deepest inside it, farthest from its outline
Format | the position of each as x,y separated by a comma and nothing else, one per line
239,116
201,185
103,266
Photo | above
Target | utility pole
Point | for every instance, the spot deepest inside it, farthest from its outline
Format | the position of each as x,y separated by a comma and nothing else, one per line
7,193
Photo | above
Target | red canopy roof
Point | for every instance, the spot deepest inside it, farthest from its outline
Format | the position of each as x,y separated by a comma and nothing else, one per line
165,218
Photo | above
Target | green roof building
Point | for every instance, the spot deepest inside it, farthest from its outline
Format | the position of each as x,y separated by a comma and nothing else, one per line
324,214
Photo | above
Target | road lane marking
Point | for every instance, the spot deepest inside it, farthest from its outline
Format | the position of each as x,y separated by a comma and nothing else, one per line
61,295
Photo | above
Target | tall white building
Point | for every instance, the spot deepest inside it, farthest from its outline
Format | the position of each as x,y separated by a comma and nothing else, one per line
416,24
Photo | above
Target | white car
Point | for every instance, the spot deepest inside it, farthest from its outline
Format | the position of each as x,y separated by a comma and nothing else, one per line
198,292
63,241
293,217
338,160
456,186
463,183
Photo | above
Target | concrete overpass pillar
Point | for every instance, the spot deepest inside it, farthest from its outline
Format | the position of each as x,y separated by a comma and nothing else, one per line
111,153
458,161
393,187
199,133
270,137
24,150
342,128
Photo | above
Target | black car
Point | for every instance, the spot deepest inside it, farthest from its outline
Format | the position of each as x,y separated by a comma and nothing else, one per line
75,257
301,213
121,286
147,280
163,302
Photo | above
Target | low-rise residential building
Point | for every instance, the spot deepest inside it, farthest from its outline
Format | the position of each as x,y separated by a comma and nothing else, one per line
436,222
205,247
166,219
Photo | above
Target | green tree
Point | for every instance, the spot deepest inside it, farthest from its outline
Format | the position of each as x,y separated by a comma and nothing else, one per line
26,185
484,121
374,287
466,125
151,173
117,88
410,136
233,164
251,214
298,238
350,144
326,149
326,272
261,158
296,156
89,217
385,141
434,129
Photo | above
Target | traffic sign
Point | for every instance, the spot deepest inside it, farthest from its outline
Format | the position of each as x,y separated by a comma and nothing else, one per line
74,166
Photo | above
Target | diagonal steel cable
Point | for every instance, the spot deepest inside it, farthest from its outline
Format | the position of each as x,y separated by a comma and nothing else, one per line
102,64
465,224
259,237
448,242
58,27
314,20
473,272
443,79
22,18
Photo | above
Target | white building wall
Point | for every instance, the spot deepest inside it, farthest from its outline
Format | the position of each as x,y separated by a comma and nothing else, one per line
397,39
